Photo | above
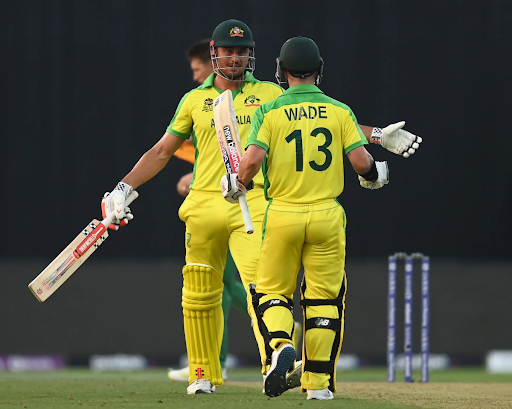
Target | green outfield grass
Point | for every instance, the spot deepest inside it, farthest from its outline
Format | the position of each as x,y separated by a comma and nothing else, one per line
365,388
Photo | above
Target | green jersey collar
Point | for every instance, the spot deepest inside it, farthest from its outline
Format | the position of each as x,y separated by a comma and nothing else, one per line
302,89
208,82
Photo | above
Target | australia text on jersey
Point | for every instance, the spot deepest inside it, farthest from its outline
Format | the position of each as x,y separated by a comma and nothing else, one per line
240,120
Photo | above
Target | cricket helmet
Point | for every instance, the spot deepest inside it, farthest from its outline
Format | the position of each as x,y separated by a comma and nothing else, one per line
300,57
232,33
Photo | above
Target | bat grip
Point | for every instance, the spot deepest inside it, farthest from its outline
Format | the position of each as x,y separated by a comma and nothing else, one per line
129,199
246,215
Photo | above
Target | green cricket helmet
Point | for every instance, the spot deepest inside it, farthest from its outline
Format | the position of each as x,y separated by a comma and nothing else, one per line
232,33
300,57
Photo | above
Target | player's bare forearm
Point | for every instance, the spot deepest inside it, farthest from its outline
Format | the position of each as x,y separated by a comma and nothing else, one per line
153,161
251,163
367,131
360,159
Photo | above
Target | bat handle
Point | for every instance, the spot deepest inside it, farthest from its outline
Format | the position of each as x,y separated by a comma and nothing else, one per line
110,218
246,215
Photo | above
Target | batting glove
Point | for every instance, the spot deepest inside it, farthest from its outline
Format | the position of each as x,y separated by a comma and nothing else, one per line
396,140
232,188
115,202
382,178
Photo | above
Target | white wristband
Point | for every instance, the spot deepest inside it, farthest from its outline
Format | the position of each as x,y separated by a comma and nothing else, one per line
376,136
124,187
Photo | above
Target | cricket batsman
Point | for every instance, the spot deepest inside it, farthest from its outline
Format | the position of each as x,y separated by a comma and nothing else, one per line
211,223
234,293
300,139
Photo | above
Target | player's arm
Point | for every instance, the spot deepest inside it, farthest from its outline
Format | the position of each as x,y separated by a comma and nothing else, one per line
393,138
183,186
251,163
153,161
372,174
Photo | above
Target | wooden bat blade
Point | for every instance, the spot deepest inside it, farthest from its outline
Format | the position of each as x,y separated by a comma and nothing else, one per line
73,256
230,145
227,131
68,261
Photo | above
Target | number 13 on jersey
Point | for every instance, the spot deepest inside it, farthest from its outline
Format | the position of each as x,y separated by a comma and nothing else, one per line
299,151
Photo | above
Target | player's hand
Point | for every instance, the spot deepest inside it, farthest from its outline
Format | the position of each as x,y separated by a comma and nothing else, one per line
183,186
232,188
396,140
382,179
115,202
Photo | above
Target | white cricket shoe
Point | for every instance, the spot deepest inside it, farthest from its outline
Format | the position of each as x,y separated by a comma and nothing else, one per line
178,374
282,360
200,386
293,377
320,394
183,373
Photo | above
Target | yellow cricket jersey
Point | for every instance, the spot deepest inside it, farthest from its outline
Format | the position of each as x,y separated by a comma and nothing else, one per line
194,115
305,134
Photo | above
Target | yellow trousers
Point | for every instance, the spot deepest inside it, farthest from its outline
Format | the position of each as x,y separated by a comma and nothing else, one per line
211,225
314,235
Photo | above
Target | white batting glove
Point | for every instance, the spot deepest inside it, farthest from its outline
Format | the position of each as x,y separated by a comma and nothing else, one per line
382,179
232,188
396,140
115,202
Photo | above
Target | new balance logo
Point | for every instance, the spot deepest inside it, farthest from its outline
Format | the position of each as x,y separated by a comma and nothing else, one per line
322,322
274,302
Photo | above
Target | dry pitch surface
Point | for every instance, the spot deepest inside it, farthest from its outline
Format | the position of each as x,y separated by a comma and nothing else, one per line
433,395
360,389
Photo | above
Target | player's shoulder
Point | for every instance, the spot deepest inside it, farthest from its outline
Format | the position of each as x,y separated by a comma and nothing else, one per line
265,85
335,102
200,97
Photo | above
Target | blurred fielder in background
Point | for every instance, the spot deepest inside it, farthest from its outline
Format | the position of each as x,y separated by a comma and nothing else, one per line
300,138
212,224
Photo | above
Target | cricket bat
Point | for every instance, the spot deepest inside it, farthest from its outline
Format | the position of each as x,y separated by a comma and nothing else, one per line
230,145
73,256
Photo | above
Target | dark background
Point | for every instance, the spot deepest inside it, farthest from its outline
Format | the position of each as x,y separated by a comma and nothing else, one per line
89,86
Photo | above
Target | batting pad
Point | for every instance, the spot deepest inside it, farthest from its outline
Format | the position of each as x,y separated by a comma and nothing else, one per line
204,324
324,322
278,321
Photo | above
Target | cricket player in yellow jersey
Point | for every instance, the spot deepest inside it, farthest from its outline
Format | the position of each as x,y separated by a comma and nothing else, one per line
234,293
211,223
300,139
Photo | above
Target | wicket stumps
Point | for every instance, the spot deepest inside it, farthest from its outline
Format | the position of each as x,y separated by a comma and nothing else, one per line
408,308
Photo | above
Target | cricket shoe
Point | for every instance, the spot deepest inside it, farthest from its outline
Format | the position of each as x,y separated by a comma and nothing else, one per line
293,377
320,394
282,361
200,386
183,373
